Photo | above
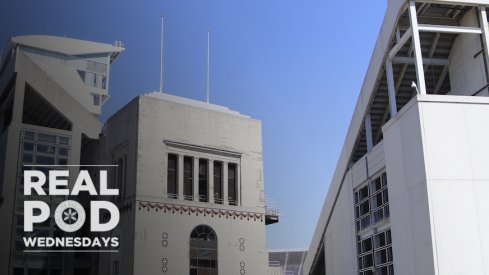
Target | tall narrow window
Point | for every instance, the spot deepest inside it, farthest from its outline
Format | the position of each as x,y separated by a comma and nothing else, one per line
218,182
203,251
232,188
203,180
172,182
188,179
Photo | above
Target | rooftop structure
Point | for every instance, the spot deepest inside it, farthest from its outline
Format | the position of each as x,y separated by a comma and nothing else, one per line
192,186
286,261
416,140
51,93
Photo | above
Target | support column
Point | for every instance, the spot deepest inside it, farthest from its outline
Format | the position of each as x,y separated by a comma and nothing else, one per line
485,37
196,179
418,57
368,133
238,184
211,181
391,88
225,180
180,177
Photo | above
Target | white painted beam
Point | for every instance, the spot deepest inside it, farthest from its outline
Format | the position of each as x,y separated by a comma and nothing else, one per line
448,29
441,79
426,61
405,37
368,133
417,48
485,37
391,88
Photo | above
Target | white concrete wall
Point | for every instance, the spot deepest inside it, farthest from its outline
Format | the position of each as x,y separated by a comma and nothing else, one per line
140,130
161,120
437,155
64,74
467,74
149,250
456,154
408,198
340,238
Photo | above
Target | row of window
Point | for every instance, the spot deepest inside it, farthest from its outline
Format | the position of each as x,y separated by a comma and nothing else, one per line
375,254
374,250
203,179
48,151
371,203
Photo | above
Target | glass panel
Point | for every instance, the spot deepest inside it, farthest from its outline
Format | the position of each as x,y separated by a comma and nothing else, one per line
218,181
63,151
64,140
46,137
28,146
46,149
203,180
29,135
232,188
45,160
172,185
188,178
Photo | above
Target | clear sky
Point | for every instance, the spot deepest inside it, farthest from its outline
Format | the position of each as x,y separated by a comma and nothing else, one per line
298,66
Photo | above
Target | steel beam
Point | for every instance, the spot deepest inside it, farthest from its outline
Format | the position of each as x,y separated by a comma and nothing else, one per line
426,61
391,88
417,48
405,37
485,37
441,79
368,133
448,29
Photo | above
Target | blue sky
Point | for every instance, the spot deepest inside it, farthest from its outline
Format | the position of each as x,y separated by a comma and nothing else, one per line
298,66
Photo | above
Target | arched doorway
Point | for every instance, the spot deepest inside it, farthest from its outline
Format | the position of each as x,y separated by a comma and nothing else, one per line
203,251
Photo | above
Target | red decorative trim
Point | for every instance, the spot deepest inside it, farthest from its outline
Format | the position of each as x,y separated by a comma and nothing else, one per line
184,209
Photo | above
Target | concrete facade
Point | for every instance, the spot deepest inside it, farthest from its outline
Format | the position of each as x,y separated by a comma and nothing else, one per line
44,122
407,196
157,228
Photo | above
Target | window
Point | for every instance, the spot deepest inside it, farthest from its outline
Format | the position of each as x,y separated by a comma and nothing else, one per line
375,253
374,250
218,182
198,179
203,251
372,203
172,183
96,99
188,179
203,180
38,149
232,184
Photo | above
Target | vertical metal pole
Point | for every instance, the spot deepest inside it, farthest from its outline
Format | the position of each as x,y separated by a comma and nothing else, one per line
485,37
161,54
418,57
368,133
195,187
208,61
210,181
180,167
391,88
225,183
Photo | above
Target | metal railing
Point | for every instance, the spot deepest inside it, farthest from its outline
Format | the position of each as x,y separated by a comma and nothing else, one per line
202,198
271,207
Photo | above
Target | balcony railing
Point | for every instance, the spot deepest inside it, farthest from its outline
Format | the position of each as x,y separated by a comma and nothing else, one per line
272,211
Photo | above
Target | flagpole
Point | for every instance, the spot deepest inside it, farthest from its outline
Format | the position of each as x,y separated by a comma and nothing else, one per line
208,60
161,54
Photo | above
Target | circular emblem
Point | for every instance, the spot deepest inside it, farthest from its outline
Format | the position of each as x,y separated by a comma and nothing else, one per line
69,216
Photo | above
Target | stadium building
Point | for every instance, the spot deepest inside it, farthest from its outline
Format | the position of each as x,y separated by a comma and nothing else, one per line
409,194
